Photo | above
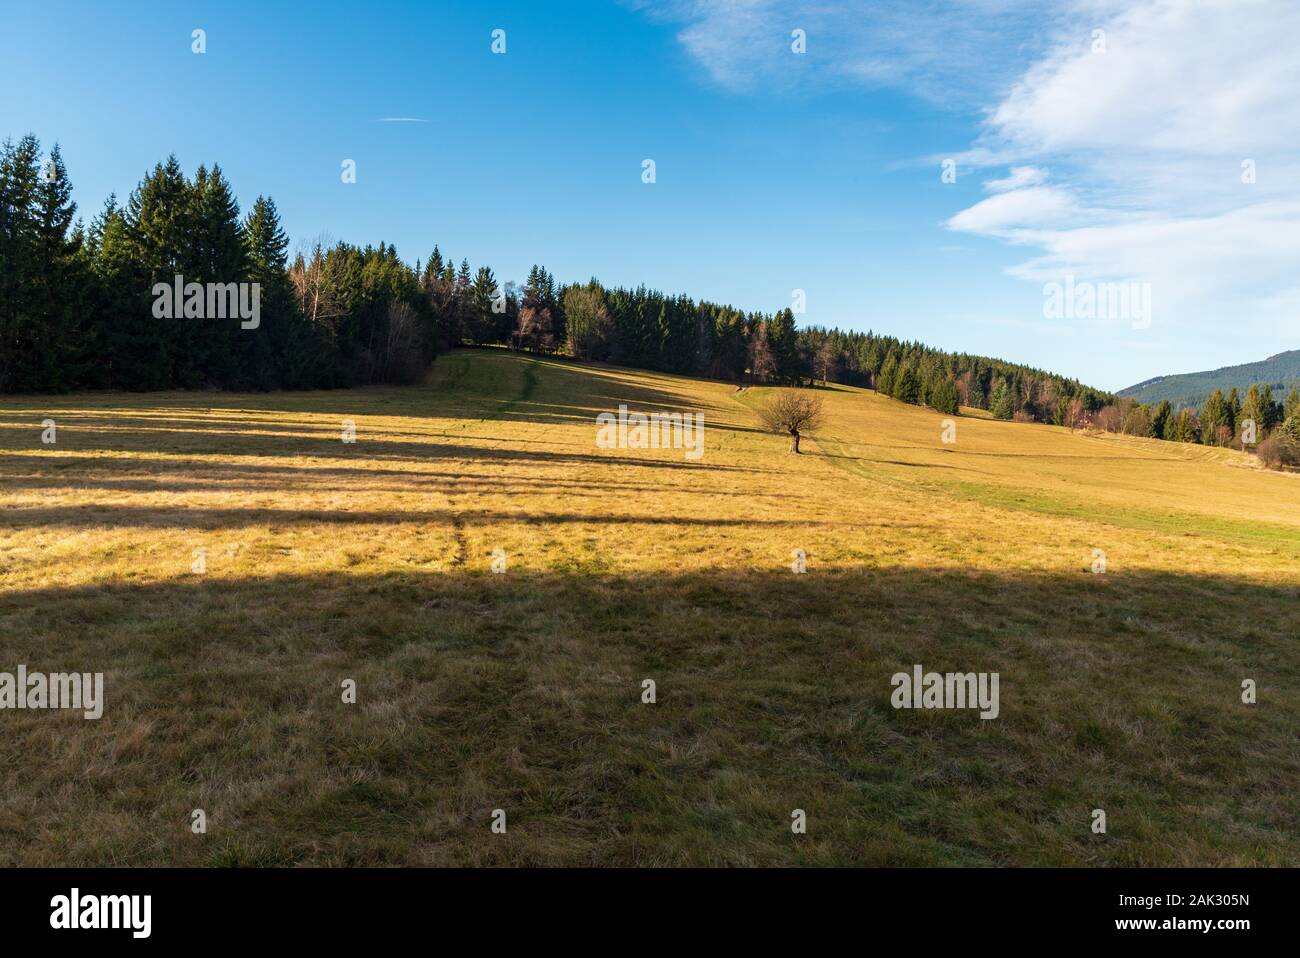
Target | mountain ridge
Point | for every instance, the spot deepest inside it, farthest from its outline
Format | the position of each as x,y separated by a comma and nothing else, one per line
1281,371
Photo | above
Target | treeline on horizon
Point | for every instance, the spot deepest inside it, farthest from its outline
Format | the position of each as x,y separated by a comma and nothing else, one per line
1257,422
76,312
76,309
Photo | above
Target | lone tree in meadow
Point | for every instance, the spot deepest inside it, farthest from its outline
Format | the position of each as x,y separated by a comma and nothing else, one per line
792,412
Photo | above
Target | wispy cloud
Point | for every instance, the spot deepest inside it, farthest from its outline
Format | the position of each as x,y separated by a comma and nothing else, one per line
1020,177
947,51
1014,213
1210,77
401,119
1119,154
1154,135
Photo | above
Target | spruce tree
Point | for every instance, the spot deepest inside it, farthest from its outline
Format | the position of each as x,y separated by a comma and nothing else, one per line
463,299
907,384
781,340
1272,410
1214,417
221,350
1292,405
433,269
20,326
1002,401
1252,408
943,397
57,285
1160,423
159,218
535,330
1234,408
888,373
482,294
284,351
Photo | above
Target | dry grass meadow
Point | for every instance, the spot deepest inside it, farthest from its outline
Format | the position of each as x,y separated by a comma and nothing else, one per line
371,561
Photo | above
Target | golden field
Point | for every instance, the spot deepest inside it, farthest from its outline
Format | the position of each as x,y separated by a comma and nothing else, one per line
372,561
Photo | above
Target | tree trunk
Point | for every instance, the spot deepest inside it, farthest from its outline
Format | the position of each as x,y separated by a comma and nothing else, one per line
794,443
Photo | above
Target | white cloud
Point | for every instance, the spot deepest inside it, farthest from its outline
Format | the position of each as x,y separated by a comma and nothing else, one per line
1021,176
1146,141
1215,77
1241,251
1010,213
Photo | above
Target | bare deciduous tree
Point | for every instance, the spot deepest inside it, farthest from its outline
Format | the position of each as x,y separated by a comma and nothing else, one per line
793,412
587,322
315,288
1108,418
762,364
1076,414
825,361
399,360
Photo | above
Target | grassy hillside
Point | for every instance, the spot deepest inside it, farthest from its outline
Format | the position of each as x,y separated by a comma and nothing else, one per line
371,561
1192,389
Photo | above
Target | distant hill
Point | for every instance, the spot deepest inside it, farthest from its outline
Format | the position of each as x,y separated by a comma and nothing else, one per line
1192,389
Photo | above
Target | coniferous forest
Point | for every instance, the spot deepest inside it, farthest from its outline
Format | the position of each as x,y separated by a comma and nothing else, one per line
77,311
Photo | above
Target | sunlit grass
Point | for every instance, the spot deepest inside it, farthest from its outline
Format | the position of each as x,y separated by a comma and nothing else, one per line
521,691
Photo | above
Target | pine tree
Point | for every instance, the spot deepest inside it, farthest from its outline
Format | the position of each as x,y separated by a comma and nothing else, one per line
219,351
463,300
1061,412
1252,408
1003,402
439,286
888,373
1214,417
1184,427
781,340
57,283
552,300
907,385
1292,405
535,330
1160,423
283,351
20,326
433,269
482,294
1234,407
730,350
1272,410
943,397
159,218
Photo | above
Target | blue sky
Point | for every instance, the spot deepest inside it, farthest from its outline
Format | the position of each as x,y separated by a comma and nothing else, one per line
775,171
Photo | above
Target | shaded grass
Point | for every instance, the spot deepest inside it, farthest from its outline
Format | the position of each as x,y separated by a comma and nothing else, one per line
476,693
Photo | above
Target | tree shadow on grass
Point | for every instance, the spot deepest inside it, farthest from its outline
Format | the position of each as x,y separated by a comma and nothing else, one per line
772,692
567,392
272,480
111,515
171,442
